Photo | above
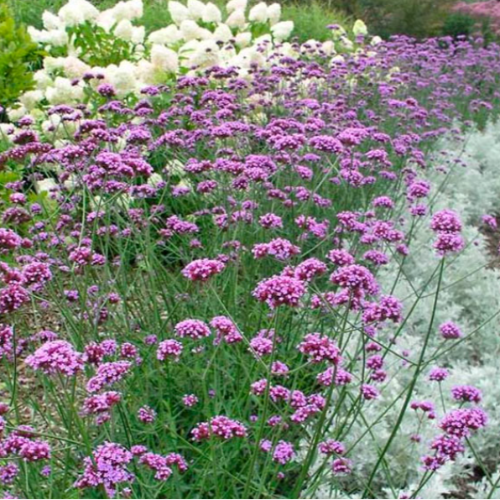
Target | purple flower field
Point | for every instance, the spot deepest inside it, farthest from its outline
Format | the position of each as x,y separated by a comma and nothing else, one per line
209,286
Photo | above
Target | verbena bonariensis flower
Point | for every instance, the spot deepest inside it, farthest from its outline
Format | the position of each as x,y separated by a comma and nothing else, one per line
192,328
280,290
221,427
9,240
169,349
450,330
320,348
56,357
283,452
107,467
203,269
226,330
108,374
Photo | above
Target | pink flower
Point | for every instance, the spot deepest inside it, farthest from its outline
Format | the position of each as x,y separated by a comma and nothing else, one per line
108,374
271,221
203,269
341,466
226,330
220,426
319,348
261,345
355,278
340,257
283,453
280,290
192,328
55,357
331,447
450,330
12,298
169,349
107,467
146,415
466,393
189,400
9,240
309,269
460,422
369,392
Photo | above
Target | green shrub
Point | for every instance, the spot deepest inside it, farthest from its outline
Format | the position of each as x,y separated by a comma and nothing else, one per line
458,24
419,18
18,54
311,20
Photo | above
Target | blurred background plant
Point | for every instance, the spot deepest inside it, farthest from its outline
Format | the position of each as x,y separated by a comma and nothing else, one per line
18,54
310,18
484,18
418,18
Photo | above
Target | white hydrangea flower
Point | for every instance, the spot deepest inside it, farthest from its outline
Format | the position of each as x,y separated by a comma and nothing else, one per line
236,5
205,55
222,34
128,10
37,36
51,64
51,21
63,92
42,79
211,14
338,59
166,36
190,30
287,49
124,30
164,58
258,13
236,19
16,113
274,13
328,47
52,123
76,12
346,43
281,31
71,182
359,28
123,78
136,8
266,38
71,16
227,55
7,130
106,19
175,167
243,39
146,72
155,179
375,40
31,99
58,38
178,12
74,67
195,8
45,185
138,35
249,56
